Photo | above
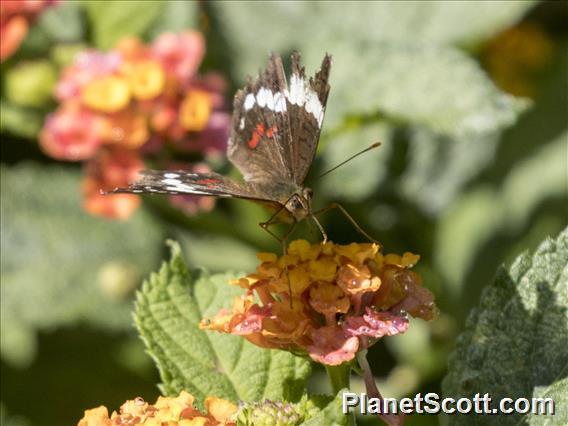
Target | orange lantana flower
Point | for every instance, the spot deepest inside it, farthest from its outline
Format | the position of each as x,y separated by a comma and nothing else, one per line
178,411
326,300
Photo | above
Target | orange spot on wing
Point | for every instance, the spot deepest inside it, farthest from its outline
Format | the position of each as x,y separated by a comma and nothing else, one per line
260,128
258,132
254,140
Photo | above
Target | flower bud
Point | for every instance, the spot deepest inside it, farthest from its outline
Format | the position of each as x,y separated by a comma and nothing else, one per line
31,83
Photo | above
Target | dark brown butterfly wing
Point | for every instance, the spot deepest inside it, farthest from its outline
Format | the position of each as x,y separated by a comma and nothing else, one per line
274,137
183,183
276,128
307,100
260,134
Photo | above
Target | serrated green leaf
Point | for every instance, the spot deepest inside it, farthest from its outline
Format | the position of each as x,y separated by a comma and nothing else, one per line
559,394
405,78
516,342
54,255
282,24
112,20
168,311
409,83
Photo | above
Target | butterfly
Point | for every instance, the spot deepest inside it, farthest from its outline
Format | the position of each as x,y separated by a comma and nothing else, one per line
275,130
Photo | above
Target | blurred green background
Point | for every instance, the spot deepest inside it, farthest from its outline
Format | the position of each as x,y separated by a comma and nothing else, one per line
470,100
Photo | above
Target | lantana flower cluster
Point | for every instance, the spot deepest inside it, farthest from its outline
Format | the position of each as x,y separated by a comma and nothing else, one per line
178,411
16,16
122,107
326,300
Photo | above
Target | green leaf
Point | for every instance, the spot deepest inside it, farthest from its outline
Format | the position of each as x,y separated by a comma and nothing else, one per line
540,177
330,413
408,82
559,394
176,16
63,23
168,311
481,213
112,20
20,121
438,167
56,256
359,178
404,78
471,222
216,253
283,27
516,342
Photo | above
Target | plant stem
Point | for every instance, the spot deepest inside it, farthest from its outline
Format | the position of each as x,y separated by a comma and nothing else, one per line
373,390
338,376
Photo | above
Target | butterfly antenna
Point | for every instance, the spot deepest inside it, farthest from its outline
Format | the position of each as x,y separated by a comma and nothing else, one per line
373,146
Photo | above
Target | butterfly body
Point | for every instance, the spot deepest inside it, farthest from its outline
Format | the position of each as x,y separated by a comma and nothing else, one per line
275,131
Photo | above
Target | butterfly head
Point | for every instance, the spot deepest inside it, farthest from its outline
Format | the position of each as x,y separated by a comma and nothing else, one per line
300,204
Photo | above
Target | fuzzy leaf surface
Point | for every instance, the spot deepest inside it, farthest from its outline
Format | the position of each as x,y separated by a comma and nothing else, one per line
516,341
169,308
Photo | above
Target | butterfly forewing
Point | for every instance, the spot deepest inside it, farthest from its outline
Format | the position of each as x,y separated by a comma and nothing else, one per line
307,100
276,126
260,134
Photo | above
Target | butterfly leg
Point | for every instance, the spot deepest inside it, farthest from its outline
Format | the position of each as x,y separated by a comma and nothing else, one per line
320,227
348,216
284,244
272,220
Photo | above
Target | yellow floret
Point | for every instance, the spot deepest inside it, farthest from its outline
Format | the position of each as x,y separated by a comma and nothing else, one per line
95,417
147,79
108,94
299,279
409,259
220,409
304,250
323,269
195,110
266,257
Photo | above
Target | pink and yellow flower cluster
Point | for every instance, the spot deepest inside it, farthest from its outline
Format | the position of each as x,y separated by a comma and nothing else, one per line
122,107
15,19
327,300
178,411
